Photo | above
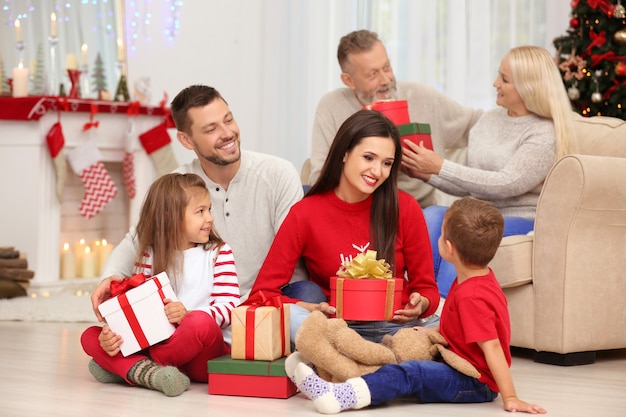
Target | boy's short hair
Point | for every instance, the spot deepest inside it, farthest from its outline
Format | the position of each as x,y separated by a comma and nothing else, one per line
475,228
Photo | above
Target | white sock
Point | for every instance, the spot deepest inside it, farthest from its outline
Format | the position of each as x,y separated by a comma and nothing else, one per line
292,361
331,398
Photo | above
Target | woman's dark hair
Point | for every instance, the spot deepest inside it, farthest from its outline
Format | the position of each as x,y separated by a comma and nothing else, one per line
385,211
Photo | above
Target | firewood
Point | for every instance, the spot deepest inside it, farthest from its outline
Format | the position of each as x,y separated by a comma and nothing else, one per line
9,252
16,274
14,263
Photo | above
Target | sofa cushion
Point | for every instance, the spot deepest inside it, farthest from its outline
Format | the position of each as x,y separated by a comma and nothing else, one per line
600,135
512,264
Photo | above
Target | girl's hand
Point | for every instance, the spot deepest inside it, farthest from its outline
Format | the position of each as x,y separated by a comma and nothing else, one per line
109,341
175,311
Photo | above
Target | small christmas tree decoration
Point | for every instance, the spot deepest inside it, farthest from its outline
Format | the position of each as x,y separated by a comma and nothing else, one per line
39,77
157,144
86,162
121,94
619,12
99,77
620,69
620,37
56,142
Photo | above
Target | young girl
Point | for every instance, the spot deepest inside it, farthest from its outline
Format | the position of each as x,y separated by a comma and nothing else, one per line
355,205
175,235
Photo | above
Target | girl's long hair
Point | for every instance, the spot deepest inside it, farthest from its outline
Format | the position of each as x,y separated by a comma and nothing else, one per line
161,226
385,208
538,82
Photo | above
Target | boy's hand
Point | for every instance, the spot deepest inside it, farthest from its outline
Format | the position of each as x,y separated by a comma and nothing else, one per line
514,404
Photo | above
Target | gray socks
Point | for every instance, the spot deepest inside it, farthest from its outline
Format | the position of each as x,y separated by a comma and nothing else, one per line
331,398
167,379
102,375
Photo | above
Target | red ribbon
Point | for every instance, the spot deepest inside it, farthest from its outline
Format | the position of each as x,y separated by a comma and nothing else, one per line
120,287
133,108
596,40
259,299
91,123
607,7
607,56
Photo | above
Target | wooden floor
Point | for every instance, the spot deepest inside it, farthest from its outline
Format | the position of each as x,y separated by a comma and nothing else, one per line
43,372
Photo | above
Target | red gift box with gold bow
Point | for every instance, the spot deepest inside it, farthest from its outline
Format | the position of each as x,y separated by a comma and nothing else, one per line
364,289
136,311
260,329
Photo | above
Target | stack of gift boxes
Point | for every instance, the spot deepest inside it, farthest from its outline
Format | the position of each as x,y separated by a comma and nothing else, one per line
397,111
260,343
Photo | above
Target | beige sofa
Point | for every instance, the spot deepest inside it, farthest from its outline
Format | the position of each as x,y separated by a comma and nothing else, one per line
566,284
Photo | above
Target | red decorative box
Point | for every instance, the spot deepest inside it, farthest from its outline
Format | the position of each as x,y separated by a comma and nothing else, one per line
416,133
244,378
395,110
366,299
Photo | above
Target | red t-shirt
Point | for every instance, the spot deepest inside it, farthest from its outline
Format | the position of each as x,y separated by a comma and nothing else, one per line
476,311
322,228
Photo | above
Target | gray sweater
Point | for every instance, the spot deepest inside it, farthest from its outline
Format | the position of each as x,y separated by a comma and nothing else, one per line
508,159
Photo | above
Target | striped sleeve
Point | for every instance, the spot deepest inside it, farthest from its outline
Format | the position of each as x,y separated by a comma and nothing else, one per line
225,295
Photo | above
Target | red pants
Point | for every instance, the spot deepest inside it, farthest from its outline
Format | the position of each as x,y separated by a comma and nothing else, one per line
196,340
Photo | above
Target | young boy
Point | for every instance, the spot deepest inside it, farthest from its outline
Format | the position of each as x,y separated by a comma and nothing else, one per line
474,321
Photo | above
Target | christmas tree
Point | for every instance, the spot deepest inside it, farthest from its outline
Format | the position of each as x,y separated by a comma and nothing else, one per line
592,57
39,80
99,78
3,79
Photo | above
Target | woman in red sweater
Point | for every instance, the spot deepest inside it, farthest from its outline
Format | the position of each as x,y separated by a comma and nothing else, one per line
354,206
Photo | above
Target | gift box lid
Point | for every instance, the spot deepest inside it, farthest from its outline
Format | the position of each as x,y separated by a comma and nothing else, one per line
139,293
413,128
227,365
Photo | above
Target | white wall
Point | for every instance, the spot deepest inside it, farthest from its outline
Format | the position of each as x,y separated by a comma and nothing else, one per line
271,59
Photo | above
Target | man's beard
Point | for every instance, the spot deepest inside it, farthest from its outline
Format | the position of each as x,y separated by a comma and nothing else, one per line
389,95
217,160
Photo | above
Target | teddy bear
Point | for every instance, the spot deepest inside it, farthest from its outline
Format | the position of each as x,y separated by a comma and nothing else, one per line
339,352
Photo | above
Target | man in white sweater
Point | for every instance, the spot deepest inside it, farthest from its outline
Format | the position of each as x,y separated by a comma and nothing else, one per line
368,76
251,193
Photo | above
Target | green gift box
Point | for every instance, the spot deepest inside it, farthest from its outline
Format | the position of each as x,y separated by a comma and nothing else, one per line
416,133
249,378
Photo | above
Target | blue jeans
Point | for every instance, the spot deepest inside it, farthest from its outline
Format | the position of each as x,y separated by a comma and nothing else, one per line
444,271
428,382
371,330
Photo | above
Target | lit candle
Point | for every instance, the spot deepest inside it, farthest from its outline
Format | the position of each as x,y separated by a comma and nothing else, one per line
105,252
20,81
18,31
71,61
83,53
120,50
68,262
53,25
88,264
79,249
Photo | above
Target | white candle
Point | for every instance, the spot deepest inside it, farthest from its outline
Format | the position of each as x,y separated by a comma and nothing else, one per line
88,264
79,249
71,61
83,53
105,252
68,262
120,50
53,25
20,81
18,31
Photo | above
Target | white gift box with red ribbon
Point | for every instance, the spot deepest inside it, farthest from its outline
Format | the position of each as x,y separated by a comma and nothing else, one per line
138,315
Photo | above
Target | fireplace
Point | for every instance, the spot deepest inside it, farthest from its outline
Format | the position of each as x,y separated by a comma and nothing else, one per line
34,221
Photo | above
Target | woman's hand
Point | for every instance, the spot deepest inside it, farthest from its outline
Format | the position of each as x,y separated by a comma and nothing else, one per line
109,341
419,161
413,309
101,294
175,311
324,307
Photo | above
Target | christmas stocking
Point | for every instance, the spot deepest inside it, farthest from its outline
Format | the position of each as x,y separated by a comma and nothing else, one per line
86,162
157,144
56,141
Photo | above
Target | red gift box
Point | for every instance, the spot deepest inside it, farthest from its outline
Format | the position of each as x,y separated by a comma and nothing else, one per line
395,110
416,133
244,378
366,299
